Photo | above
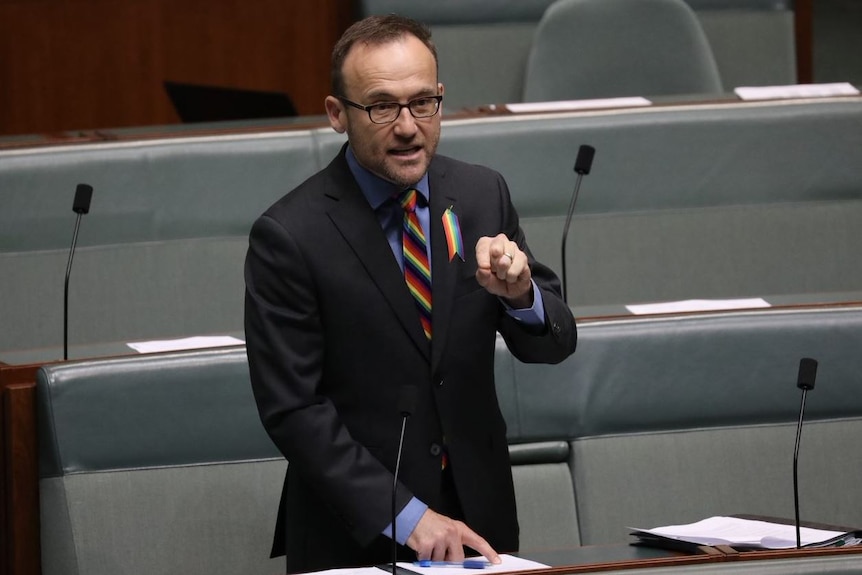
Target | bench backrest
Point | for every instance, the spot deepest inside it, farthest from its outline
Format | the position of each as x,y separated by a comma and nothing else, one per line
705,201
483,45
156,463
711,201
672,420
160,463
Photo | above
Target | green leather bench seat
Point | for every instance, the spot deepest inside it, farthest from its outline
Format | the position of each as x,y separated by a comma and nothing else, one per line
483,45
156,464
124,292
705,201
490,11
679,418
161,252
708,201
160,460
177,188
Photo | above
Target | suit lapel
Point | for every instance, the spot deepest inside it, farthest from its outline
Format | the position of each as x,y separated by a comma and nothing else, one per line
358,224
444,273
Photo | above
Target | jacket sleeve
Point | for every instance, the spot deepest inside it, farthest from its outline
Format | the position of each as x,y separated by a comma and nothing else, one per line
559,337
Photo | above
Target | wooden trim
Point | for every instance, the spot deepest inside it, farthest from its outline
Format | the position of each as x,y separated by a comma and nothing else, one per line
19,472
804,36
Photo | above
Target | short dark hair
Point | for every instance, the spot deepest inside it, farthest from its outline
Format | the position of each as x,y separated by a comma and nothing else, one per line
375,30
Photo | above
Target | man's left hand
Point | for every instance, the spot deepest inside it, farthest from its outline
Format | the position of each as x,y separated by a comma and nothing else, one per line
504,270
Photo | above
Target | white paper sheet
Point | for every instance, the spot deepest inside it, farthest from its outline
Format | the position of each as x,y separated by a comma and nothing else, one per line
184,343
350,571
796,91
573,105
510,563
691,305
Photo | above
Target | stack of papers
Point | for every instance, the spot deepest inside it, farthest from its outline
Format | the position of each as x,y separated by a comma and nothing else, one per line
745,533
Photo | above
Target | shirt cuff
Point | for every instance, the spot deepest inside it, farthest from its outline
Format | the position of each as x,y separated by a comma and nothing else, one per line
530,315
406,521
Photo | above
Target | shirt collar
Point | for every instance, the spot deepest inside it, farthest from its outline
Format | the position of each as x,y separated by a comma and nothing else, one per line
377,190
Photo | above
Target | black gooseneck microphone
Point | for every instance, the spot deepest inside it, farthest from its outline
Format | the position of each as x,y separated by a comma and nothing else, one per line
805,382
406,403
81,206
583,163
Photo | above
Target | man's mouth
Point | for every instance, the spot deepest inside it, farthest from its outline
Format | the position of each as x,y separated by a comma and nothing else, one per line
406,152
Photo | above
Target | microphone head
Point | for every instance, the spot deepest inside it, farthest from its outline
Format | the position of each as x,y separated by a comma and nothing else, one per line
807,373
584,161
406,400
83,195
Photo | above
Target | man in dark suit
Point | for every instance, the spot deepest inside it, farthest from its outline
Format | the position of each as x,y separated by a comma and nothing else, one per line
335,334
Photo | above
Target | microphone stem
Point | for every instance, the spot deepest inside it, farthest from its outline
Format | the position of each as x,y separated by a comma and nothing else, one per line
795,466
394,490
566,235
66,289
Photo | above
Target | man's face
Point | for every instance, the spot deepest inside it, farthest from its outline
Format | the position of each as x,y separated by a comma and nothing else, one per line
398,71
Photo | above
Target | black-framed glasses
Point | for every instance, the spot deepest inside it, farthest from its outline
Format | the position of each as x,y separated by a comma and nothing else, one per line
388,112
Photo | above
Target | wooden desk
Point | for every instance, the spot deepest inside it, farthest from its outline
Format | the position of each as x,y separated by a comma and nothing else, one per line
594,558
622,557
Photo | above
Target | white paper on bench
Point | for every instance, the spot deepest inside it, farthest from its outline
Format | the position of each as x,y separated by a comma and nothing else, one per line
742,532
697,305
572,105
796,91
198,342
349,571
510,563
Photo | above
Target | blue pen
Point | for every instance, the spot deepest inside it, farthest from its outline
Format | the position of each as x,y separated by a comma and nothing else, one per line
466,564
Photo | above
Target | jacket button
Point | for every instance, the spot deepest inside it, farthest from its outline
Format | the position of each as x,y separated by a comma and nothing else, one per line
435,449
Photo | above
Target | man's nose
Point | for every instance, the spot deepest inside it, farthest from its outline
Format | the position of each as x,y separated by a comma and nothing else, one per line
405,123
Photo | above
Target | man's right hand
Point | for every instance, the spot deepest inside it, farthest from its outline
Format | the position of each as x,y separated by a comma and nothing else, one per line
440,538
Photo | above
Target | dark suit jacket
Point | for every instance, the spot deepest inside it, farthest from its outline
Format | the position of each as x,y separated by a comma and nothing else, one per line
333,334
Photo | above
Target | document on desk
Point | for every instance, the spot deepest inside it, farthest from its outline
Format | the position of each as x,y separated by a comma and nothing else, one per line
349,571
184,343
748,533
576,105
796,91
510,563
695,305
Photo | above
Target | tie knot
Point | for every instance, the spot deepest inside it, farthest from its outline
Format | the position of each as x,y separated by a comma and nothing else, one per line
408,200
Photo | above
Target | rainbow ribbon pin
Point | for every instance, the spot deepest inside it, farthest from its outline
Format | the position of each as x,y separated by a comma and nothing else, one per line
452,229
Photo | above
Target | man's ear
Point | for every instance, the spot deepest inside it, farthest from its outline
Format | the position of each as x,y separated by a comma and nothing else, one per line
440,92
336,113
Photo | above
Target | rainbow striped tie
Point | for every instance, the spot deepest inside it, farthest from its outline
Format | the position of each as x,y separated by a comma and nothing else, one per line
417,271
